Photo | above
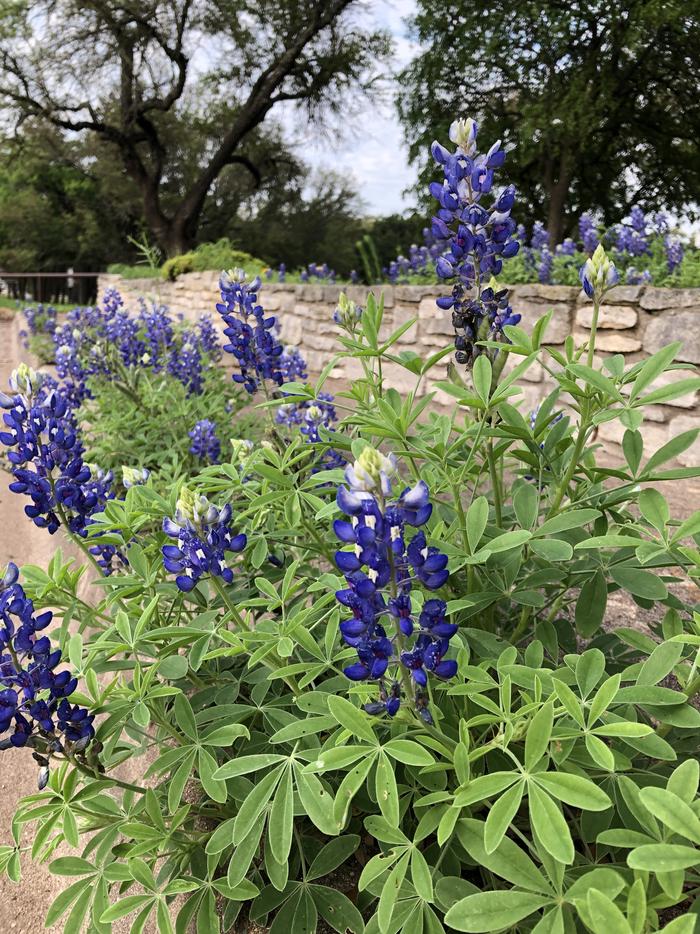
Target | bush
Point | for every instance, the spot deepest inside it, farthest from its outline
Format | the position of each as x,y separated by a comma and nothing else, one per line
211,256
134,272
380,695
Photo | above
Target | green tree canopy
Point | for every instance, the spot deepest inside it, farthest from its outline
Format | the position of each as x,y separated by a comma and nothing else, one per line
599,101
137,75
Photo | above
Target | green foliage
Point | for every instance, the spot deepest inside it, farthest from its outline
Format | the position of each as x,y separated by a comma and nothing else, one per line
556,789
146,423
211,256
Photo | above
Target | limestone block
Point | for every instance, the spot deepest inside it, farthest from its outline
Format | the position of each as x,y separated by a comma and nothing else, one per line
548,293
617,317
658,299
681,326
617,343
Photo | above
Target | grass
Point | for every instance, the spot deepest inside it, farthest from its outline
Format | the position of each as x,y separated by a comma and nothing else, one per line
19,304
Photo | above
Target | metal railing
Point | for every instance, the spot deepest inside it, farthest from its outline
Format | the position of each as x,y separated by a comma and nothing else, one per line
78,288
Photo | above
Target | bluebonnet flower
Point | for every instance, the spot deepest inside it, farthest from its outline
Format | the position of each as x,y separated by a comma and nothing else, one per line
354,276
186,363
544,270
659,222
41,319
134,476
393,648
252,340
34,695
293,365
208,336
477,238
205,443
282,273
159,333
674,253
540,236
632,237
204,536
588,234
598,274
634,277
47,459
566,248
347,314
321,272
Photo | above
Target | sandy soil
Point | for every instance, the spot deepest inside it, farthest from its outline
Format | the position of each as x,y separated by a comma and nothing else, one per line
23,908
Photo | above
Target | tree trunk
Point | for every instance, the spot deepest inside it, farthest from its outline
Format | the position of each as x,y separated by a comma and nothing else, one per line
556,213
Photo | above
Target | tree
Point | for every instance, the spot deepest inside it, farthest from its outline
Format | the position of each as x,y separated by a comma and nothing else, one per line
600,101
135,72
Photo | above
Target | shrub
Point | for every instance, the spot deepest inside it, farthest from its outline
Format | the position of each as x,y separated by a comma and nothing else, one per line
208,256
382,696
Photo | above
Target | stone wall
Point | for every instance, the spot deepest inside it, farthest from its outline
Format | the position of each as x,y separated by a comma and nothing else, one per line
636,321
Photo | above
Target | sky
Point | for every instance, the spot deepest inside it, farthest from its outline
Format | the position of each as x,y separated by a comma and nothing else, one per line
373,151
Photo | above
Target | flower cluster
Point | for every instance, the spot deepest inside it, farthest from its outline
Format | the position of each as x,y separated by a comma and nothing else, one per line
34,697
477,238
381,569
322,273
47,460
108,342
588,233
598,274
204,536
205,443
674,253
252,338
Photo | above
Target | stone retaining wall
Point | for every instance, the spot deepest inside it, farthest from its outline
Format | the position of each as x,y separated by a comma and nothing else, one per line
635,322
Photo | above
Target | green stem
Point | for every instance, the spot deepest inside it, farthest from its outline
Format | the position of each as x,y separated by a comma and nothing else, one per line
127,786
594,329
520,629
495,484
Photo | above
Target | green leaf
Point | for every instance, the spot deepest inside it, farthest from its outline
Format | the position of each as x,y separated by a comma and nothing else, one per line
493,911
421,876
663,857
590,667
551,549
408,752
173,667
672,811
316,801
538,734
179,780
477,517
481,377
525,504
348,788
574,790
390,893
124,907
337,910
386,790
574,519
653,367
184,717
648,694
599,752
603,698
281,820
354,720
508,540
660,663
670,450
254,805
71,866
640,583
605,916
225,735
550,826
508,860
65,899
332,855
243,765
501,815
654,508
483,787
591,604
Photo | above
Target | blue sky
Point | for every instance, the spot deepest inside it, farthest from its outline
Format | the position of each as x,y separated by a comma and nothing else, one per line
372,150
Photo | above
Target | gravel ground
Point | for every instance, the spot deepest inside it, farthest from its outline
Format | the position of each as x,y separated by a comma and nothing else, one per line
23,908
